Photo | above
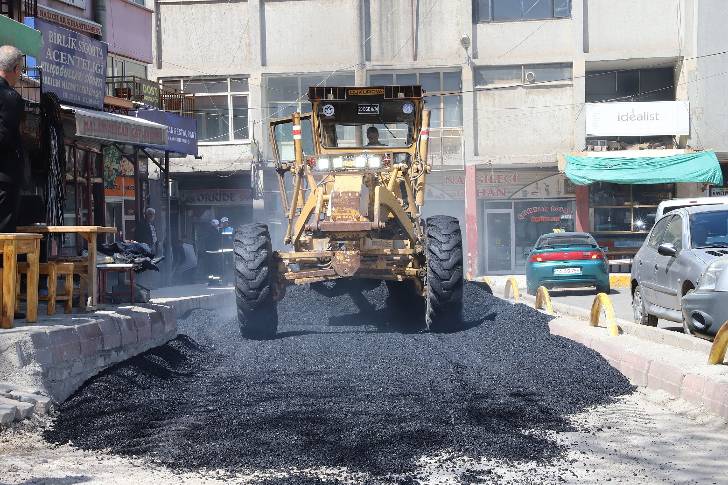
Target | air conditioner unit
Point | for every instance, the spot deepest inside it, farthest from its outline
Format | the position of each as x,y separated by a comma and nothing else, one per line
530,77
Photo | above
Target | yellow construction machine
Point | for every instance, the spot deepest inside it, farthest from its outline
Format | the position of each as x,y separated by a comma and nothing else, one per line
352,175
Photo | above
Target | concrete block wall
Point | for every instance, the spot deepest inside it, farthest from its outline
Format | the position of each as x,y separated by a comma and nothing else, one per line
58,358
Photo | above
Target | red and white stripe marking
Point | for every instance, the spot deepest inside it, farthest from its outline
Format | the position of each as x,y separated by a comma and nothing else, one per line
296,132
424,134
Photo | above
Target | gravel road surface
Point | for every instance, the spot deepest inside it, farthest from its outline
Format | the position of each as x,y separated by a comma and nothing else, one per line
351,393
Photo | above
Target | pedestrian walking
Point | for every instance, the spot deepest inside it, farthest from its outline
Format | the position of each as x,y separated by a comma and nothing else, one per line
12,108
147,232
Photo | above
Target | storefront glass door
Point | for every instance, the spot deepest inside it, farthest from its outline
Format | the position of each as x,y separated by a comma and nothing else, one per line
499,241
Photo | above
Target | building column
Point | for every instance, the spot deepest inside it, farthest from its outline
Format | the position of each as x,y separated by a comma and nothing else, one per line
582,209
256,31
471,222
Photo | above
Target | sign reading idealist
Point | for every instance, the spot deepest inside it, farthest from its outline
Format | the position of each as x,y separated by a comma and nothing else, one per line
74,65
181,130
638,119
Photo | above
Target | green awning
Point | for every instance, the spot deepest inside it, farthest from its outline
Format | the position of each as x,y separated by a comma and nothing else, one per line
685,167
28,40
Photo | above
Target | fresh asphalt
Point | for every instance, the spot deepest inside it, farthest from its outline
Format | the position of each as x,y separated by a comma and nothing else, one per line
347,383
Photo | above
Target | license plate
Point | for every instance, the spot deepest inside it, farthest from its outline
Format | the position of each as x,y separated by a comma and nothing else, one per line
564,271
368,109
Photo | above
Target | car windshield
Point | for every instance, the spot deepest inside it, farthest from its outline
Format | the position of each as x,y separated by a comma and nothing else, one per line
709,229
367,124
563,241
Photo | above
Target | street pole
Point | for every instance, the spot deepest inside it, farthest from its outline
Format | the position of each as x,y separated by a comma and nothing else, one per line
168,222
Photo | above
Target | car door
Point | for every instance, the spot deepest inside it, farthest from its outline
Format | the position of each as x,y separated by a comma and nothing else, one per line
645,261
667,282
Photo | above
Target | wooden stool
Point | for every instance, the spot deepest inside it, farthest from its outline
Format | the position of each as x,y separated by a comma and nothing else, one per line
80,268
53,270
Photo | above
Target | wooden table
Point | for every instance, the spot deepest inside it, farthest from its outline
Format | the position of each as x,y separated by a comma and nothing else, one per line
90,234
11,245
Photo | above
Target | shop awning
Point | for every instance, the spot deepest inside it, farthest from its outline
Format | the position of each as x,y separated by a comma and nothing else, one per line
701,167
27,39
118,128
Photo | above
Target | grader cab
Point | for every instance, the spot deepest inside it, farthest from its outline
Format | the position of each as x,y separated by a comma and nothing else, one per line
353,205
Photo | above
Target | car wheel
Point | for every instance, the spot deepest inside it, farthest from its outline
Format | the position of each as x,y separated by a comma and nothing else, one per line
607,289
638,309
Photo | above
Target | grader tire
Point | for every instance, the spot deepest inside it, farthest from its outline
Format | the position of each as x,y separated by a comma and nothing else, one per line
254,280
444,277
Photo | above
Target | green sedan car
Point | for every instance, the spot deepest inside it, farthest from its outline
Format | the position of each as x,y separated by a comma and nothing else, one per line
567,260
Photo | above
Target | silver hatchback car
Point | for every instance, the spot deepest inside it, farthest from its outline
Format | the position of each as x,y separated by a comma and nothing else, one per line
670,264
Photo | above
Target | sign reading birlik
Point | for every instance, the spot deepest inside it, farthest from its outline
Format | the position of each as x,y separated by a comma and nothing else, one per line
74,65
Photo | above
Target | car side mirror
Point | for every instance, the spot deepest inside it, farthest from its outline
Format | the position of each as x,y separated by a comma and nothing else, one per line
667,249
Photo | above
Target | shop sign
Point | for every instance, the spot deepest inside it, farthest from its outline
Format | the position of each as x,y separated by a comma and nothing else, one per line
500,185
638,119
216,196
719,191
124,129
545,213
149,92
74,65
69,21
122,187
181,130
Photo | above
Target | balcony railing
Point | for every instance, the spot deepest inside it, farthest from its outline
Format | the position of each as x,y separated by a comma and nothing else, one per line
30,85
19,9
134,88
178,102
148,92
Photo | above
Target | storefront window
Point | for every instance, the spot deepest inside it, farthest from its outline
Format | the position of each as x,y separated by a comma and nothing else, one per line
626,208
534,218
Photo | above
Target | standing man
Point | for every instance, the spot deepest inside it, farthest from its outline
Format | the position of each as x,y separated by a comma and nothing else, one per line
12,108
146,232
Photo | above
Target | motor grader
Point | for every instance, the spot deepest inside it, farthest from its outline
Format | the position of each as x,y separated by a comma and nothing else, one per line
352,175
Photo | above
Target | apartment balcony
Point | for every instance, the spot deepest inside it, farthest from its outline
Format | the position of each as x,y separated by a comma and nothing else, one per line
19,9
145,92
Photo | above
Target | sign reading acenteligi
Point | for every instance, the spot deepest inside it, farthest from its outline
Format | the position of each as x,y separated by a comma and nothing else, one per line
74,65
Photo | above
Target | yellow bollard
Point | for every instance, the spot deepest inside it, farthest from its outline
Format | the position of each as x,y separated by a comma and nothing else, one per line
543,300
602,302
511,287
720,343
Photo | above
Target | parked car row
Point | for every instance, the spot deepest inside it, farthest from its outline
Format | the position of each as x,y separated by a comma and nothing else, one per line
680,273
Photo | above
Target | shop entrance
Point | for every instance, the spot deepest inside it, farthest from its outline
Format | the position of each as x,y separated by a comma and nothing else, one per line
499,232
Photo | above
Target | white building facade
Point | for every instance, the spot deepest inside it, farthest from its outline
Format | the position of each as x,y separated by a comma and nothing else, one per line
510,84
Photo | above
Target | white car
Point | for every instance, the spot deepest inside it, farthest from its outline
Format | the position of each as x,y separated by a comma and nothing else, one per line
674,204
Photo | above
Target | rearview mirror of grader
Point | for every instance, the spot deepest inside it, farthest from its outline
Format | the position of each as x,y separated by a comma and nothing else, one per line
354,211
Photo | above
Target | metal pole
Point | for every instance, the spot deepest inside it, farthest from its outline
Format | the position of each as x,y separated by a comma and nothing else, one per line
168,222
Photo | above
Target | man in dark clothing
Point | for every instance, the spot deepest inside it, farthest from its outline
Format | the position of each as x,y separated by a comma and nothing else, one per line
12,108
147,232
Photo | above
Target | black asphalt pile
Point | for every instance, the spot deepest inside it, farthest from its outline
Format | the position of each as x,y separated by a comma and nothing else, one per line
347,383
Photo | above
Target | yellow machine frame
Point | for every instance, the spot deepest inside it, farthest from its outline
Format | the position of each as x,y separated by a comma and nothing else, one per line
383,241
